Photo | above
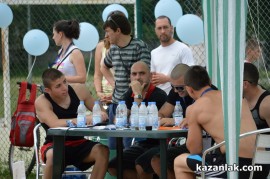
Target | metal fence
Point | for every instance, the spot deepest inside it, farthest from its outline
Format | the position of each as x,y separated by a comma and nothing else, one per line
40,14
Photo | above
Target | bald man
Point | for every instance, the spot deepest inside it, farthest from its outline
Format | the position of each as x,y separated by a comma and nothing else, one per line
140,90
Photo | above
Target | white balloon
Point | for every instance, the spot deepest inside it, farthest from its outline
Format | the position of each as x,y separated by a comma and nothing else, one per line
189,29
113,7
88,38
6,15
169,8
35,42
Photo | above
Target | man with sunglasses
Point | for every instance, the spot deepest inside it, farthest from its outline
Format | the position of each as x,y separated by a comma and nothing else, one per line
206,114
177,93
123,53
170,53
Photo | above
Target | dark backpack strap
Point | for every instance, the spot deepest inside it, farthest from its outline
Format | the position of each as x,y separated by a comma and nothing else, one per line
22,93
33,93
66,56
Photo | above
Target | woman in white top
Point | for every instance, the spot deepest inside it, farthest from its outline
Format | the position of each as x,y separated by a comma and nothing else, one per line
70,60
103,88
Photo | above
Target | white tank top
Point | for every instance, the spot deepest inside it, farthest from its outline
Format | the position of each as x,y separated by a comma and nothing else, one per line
66,67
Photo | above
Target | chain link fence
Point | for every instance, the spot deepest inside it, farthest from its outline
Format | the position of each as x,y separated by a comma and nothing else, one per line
40,14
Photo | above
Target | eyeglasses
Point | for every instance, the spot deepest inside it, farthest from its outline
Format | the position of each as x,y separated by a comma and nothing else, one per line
111,19
179,88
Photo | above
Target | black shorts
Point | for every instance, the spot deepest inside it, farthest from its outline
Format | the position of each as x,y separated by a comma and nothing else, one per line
217,160
74,155
172,153
136,154
144,160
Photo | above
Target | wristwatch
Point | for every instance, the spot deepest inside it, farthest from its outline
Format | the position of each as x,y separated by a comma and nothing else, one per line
138,96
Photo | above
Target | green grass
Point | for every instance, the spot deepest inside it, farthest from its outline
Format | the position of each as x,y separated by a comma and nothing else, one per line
263,79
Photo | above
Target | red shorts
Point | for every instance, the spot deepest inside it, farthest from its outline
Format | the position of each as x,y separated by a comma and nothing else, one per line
49,145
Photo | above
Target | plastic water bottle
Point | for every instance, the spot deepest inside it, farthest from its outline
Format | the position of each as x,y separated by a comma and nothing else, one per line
124,114
134,116
142,116
121,115
149,117
154,115
81,117
96,113
178,113
118,117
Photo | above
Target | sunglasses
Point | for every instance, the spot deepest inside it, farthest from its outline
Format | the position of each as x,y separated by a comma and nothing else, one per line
111,19
179,88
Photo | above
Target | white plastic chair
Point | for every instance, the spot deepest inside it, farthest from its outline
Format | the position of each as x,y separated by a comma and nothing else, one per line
260,156
39,137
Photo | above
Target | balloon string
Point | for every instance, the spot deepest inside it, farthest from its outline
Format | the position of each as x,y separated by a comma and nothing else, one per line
31,69
89,64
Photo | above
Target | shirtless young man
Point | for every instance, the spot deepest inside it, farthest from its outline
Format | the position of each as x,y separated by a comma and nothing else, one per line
206,114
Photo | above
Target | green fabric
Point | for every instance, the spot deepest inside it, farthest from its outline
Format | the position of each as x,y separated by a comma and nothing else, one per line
225,30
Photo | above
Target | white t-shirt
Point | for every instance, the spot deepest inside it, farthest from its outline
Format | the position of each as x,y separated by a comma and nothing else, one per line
164,59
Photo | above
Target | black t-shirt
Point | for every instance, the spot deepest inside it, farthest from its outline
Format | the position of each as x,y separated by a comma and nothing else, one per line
184,101
158,95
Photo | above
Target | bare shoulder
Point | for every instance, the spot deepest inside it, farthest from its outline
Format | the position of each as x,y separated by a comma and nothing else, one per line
76,52
205,108
100,45
42,104
200,104
264,108
266,101
41,101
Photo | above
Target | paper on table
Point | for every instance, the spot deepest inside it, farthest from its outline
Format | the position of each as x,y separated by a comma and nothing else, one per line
63,128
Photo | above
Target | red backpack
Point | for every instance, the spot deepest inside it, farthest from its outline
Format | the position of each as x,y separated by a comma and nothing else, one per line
24,118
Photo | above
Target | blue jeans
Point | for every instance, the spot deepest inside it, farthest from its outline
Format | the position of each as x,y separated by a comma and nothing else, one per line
112,140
